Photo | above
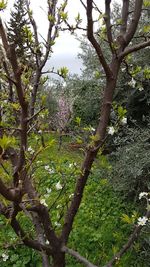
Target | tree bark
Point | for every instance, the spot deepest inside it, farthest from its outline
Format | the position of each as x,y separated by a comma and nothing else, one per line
92,152
59,260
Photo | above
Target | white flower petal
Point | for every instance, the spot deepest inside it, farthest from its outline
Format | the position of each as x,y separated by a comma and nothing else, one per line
142,220
143,194
58,186
124,121
111,130
43,202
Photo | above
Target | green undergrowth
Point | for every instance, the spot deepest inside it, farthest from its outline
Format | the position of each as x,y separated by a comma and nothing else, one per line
98,230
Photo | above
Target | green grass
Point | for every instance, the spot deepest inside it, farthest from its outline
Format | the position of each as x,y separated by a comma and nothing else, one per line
98,231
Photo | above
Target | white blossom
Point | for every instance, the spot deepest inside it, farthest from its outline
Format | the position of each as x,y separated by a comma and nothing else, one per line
92,129
132,83
43,202
123,69
47,242
58,186
48,190
46,167
51,171
57,224
124,121
70,165
30,150
30,88
142,220
142,194
140,89
5,257
40,131
39,161
111,130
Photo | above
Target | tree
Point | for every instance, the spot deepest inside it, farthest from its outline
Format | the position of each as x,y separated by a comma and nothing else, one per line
16,32
21,178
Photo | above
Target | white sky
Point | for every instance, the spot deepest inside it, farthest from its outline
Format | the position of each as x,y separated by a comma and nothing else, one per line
66,47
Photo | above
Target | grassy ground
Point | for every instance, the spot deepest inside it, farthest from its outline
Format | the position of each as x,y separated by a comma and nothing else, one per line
98,231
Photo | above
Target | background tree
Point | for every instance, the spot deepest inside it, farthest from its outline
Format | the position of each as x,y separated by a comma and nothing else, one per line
16,28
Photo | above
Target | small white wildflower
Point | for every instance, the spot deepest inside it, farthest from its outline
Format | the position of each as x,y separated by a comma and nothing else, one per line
92,129
5,101
142,194
48,190
42,116
57,224
124,121
58,186
30,88
70,165
70,196
40,131
132,83
47,242
5,257
111,130
43,202
142,220
39,161
51,171
140,89
46,167
30,150
123,69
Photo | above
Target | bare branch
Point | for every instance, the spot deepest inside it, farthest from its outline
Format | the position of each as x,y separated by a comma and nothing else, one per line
93,41
108,24
34,25
35,115
134,23
77,256
83,4
28,242
125,9
134,48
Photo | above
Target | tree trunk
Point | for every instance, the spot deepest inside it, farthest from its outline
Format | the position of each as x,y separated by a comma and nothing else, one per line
59,260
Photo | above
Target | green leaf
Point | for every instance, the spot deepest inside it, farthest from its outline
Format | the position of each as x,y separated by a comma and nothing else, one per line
78,18
7,141
146,3
146,28
63,72
64,15
78,120
147,73
3,5
97,74
95,137
125,218
51,18
121,112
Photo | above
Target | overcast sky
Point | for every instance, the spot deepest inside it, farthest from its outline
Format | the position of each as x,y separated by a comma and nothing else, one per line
66,47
